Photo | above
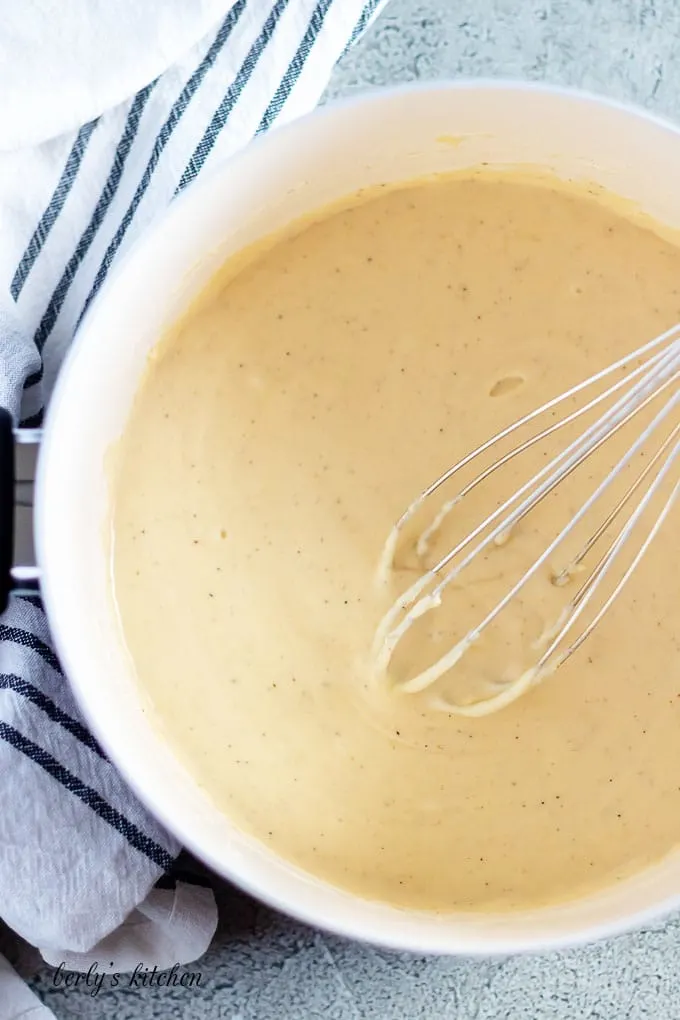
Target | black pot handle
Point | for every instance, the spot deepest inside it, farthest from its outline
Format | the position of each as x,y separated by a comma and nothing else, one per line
14,580
6,506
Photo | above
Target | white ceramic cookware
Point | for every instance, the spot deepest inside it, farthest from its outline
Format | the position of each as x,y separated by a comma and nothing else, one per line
383,136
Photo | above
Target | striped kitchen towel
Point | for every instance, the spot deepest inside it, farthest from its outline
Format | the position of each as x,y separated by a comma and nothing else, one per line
77,852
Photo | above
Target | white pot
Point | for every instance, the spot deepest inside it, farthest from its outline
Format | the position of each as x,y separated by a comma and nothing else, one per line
383,136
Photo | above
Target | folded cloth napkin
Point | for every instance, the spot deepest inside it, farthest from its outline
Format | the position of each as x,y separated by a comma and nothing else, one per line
112,48
79,856
18,1002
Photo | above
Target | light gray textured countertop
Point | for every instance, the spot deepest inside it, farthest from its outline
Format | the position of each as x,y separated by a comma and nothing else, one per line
265,967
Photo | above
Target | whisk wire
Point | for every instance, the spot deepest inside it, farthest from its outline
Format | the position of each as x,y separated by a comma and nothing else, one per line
643,385
571,567
640,352
589,588
424,540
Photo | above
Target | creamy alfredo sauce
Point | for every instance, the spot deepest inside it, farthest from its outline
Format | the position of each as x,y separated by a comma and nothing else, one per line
278,433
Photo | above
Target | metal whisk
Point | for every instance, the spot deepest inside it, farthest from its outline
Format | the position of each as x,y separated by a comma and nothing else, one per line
648,373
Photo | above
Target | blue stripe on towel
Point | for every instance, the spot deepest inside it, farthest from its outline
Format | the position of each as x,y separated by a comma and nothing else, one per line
54,307
11,682
231,96
135,837
109,190
54,207
164,135
33,379
28,640
295,67
34,421
362,24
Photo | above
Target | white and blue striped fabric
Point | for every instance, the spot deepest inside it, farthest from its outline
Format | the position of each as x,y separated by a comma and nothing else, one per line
77,851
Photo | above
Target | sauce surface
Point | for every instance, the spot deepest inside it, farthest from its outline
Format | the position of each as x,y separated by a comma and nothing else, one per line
280,431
